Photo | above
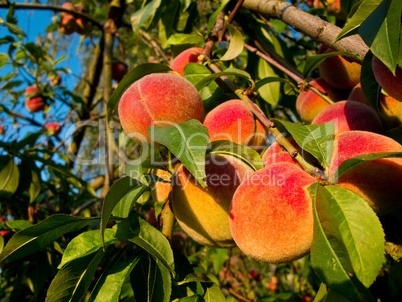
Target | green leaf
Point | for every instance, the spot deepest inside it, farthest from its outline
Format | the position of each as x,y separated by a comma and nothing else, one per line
72,282
213,293
219,258
159,282
109,285
118,190
179,39
325,294
14,28
364,10
236,44
229,71
347,251
195,298
214,16
17,225
126,204
188,142
84,244
246,154
38,236
9,177
140,232
313,62
381,30
132,76
143,17
268,90
35,186
315,139
357,160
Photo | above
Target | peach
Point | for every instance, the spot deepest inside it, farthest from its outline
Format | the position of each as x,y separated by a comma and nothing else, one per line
392,110
68,24
82,24
309,104
119,70
348,115
276,154
204,213
357,95
392,84
188,56
162,185
54,128
377,181
338,72
67,5
233,121
34,102
55,80
158,99
2,131
271,214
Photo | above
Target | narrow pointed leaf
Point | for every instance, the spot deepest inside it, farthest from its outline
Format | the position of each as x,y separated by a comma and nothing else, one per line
109,285
118,190
227,72
214,16
159,282
9,177
213,293
38,236
140,232
188,142
72,282
236,44
86,243
315,139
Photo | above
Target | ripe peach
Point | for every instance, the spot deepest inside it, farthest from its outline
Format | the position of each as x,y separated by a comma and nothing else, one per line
2,131
392,110
338,72
357,95
68,24
233,121
309,104
161,188
156,99
276,154
392,84
82,24
188,56
54,128
119,70
271,214
348,115
67,5
377,181
34,102
204,213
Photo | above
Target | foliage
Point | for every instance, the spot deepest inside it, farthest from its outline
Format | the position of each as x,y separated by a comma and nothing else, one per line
77,216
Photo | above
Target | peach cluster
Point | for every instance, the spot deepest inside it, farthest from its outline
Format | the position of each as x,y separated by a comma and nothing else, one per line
70,24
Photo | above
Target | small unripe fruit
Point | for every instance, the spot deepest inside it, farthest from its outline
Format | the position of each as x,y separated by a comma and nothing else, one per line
119,70
68,24
55,80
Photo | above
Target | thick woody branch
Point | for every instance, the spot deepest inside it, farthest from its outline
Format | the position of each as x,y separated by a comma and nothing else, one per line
56,8
312,26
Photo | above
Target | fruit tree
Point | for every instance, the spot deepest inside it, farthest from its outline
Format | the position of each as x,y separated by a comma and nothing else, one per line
214,150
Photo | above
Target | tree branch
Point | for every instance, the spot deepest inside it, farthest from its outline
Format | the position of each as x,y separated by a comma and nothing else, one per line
313,26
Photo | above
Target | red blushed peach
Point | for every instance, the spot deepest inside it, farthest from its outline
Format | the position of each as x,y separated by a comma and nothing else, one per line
276,154
377,181
309,104
158,99
271,214
339,72
233,121
68,24
204,213
392,84
392,110
356,95
54,128
34,102
348,115
188,56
